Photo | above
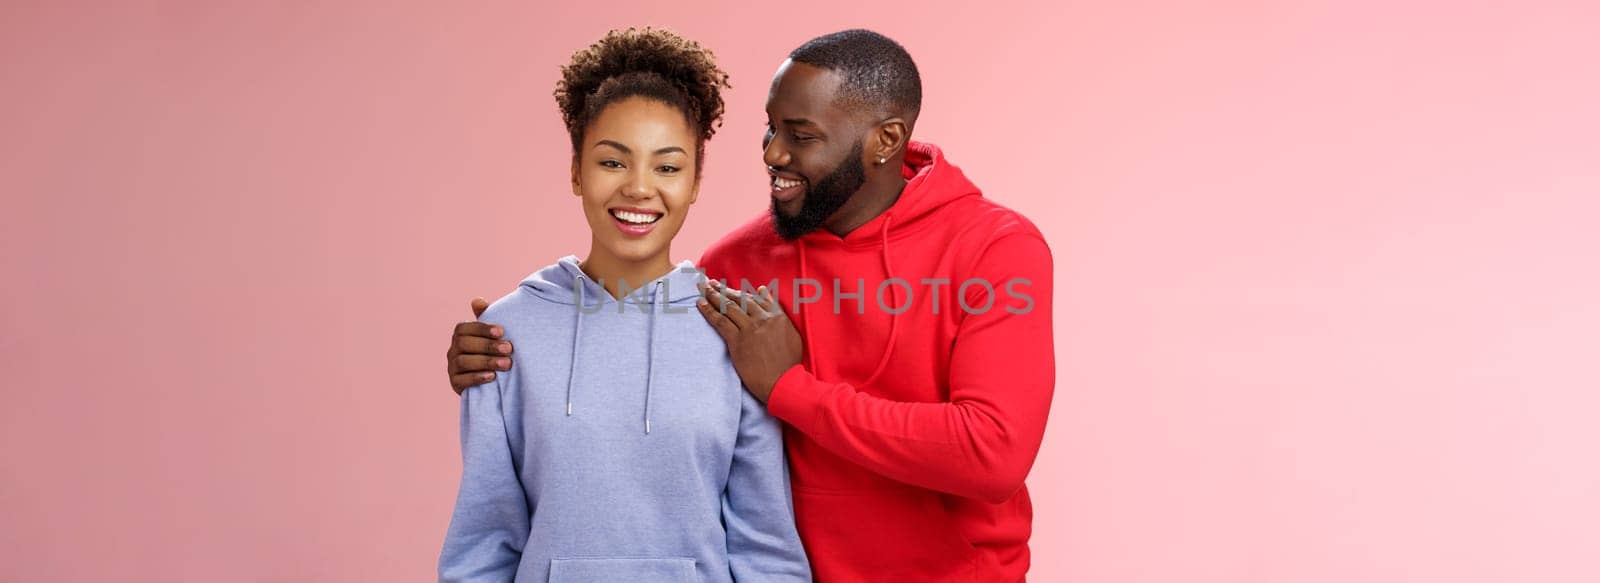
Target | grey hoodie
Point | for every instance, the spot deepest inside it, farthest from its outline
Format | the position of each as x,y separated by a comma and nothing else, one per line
620,447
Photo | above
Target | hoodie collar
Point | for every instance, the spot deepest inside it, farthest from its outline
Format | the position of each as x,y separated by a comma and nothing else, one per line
562,282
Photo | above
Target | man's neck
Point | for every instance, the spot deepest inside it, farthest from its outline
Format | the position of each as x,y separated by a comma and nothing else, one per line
874,197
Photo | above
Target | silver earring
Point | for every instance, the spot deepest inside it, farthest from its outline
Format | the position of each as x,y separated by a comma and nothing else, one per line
882,160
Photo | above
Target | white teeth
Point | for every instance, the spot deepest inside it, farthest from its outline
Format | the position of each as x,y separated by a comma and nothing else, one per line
782,183
635,218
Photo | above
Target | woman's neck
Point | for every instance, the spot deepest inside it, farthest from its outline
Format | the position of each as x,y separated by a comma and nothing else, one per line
614,273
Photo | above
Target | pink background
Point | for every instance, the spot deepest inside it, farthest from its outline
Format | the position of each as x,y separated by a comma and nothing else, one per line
1329,295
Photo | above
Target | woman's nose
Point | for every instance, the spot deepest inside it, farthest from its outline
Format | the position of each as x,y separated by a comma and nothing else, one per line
638,186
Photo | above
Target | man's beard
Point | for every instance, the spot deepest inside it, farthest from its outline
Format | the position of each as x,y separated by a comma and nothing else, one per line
823,198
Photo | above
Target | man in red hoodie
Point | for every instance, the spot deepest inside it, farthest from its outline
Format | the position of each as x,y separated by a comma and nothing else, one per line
902,328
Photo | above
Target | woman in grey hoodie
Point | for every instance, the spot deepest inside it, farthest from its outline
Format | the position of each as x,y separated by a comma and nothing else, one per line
621,446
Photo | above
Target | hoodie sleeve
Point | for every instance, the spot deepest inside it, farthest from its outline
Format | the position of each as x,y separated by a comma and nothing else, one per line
982,442
756,508
491,520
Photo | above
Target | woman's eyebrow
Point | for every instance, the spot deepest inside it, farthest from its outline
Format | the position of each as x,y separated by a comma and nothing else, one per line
625,149
629,151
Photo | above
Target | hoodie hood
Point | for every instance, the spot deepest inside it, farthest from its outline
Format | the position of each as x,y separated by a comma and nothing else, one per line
565,283
931,183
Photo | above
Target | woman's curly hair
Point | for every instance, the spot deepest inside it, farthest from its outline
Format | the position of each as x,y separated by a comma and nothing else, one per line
649,62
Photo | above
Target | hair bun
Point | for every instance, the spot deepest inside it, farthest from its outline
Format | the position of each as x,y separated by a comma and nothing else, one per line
651,62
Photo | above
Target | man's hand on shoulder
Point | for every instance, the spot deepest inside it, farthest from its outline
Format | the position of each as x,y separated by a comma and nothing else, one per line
476,351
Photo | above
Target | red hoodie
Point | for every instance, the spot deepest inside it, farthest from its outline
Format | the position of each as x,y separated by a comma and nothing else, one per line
909,435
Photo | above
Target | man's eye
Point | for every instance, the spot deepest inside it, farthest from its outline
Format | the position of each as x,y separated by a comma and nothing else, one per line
802,138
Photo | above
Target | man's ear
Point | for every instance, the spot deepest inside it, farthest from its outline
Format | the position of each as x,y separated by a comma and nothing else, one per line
889,138
577,184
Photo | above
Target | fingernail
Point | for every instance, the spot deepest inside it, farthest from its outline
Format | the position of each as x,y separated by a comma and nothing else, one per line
504,348
486,376
495,330
502,362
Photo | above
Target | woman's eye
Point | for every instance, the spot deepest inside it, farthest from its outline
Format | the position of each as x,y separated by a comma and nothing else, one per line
611,163
668,169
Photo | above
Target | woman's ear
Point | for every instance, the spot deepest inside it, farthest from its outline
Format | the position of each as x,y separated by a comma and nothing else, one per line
577,184
694,195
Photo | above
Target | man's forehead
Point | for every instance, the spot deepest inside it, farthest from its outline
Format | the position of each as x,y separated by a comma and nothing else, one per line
802,88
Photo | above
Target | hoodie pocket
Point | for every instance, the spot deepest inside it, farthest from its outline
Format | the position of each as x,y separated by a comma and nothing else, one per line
601,569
